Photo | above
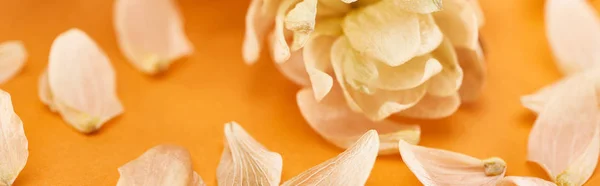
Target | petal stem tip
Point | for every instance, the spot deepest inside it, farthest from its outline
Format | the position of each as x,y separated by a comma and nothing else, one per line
494,166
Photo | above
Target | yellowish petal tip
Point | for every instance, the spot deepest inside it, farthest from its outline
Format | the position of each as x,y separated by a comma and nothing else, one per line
494,166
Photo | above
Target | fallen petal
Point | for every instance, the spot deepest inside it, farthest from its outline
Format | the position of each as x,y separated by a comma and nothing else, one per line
44,91
13,143
573,31
247,162
259,20
12,59
433,107
523,181
301,20
473,66
449,80
352,167
150,33
565,139
82,82
441,167
163,165
333,120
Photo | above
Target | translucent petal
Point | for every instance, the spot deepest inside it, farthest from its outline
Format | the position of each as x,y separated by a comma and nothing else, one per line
458,22
259,20
450,79
419,6
350,168
301,20
162,165
247,162
384,32
473,66
150,33
377,104
523,181
333,120
317,60
82,81
564,140
294,69
573,30
13,143
441,167
12,59
433,107
44,91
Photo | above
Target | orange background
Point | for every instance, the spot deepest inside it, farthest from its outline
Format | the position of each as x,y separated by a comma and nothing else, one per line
189,104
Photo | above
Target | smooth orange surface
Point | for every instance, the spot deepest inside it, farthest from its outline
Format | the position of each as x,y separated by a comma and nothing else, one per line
189,104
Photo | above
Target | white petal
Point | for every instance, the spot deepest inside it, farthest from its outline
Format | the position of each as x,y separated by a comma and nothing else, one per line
12,58
450,79
13,143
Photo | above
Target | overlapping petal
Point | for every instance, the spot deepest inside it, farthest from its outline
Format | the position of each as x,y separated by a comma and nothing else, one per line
259,19
433,107
301,20
449,80
459,22
473,67
13,143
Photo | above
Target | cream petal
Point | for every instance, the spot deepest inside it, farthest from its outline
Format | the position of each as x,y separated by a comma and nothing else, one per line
473,66
409,75
458,22
573,31
294,69
523,181
82,81
352,167
370,32
12,59
197,180
150,34
376,104
478,12
166,165
433,107
13,143
279,44
247,162
44,91
333,120
317,60
431,35
301,20
419,6
565,139
441,167
450,79
259,20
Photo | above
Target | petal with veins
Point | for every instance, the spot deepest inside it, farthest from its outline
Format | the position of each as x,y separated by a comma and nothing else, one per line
317,60
333,120
150,33
473,66
384,32
247,162
441,167
523,181
433,107
352,167
565,139
82,81
458,22
301,20
163,165
450,79
573,31
259,19
13,143
12,59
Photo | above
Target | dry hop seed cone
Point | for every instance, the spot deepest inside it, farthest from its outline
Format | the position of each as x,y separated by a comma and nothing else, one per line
163,165
12,59
80,82
13,143
150,33
441,167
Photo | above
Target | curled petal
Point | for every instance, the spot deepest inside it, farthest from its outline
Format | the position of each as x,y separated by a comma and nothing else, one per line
433,107
13,143
369,31
352,167
409,75
565,139
473,66
431,35
301,20
12,59
450,79
163,165
247,162
332,8
377,104
333,120
420,6
458,21
82,82
317,61
294,69
279,44
523,181
259,19
441,167
150,33
573,30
